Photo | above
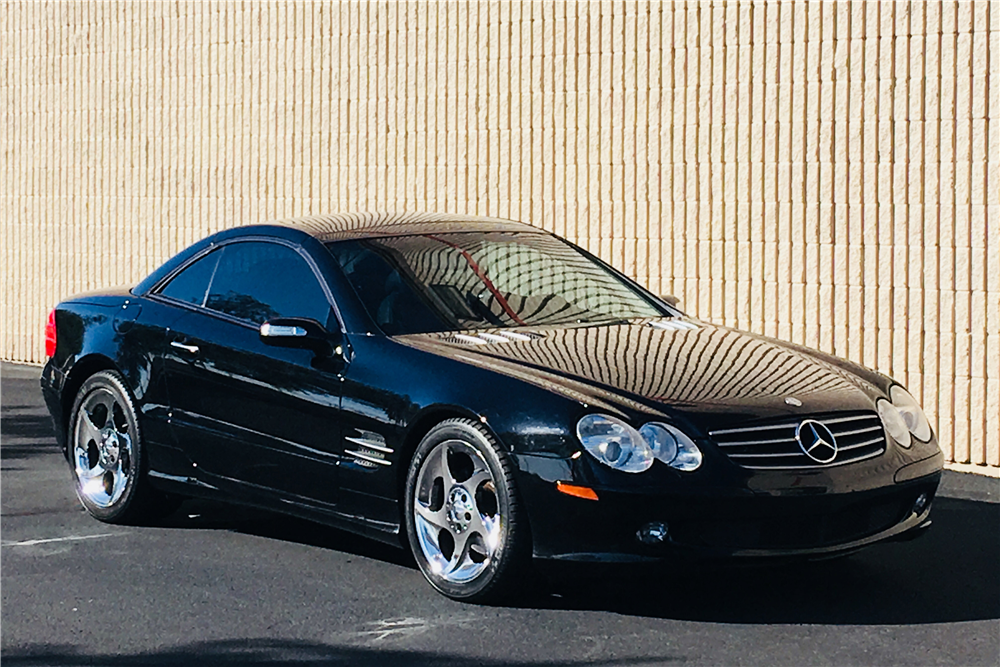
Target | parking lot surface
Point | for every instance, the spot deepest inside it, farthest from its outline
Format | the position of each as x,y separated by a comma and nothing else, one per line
218,585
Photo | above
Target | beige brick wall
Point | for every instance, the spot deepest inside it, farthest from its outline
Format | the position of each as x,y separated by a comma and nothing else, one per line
824,173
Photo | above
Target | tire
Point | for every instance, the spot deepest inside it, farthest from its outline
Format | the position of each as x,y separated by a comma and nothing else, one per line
466,528
106,455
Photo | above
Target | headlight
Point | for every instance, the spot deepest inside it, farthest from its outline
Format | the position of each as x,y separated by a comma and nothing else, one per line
671,445
916,420
614,443
893,422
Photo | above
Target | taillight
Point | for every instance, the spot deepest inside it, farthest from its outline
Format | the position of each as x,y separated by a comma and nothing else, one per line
50,335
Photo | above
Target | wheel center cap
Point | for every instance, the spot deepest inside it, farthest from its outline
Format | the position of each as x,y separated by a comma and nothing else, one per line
109,449
460,508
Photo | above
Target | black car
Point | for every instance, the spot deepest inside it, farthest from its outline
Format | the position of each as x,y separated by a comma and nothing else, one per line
479,389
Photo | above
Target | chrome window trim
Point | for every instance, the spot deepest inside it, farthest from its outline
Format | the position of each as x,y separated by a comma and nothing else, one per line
157,289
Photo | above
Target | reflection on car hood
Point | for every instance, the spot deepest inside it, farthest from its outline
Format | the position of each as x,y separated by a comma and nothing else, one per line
679,363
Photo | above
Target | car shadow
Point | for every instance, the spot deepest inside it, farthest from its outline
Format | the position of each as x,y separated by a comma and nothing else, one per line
198,513
283,652
949,574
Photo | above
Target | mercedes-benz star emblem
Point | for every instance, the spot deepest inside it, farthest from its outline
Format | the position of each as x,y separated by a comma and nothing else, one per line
816,441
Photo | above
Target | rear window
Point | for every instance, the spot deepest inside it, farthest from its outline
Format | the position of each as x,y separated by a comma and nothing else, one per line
191,284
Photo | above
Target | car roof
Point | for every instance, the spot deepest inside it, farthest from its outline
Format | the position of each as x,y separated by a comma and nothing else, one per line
344,226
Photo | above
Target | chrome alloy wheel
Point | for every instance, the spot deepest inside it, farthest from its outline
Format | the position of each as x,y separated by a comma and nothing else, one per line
456,512
103,449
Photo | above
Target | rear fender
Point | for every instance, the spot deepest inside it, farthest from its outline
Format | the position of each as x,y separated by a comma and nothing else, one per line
88,342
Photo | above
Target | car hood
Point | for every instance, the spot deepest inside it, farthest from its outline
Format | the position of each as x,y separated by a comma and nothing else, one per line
715,375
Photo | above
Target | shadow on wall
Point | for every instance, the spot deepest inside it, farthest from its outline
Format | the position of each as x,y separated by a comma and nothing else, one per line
25,436
36,428
26,429
276,653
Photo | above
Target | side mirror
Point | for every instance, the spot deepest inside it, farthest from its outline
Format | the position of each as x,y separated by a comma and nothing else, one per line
671,299
301,333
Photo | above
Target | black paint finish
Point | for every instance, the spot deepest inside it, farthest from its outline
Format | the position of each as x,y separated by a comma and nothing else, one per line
226,414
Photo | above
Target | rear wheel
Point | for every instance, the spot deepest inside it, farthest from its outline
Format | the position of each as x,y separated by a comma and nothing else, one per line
106,455
464,524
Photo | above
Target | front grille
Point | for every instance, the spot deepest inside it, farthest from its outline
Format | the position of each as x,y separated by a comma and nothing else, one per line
772,446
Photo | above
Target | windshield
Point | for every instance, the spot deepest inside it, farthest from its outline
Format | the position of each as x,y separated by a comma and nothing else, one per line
476,280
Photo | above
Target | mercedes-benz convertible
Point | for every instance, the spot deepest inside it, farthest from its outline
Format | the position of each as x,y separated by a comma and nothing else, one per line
479,390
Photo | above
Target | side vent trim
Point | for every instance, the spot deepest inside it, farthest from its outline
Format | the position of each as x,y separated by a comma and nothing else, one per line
372,450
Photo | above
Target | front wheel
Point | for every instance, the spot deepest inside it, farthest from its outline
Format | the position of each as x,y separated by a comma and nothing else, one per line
463,520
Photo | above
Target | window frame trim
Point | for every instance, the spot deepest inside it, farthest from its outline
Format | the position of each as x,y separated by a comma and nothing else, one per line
156,292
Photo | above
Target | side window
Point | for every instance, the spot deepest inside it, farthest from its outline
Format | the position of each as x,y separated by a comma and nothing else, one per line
392,302
191,284
259,281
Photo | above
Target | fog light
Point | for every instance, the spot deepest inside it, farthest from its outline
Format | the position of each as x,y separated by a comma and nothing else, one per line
652,533
921,503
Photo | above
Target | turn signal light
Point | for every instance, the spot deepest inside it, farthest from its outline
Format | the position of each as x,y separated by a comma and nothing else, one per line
50,335
576,491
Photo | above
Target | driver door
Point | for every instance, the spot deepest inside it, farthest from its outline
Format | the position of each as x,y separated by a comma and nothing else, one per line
243,411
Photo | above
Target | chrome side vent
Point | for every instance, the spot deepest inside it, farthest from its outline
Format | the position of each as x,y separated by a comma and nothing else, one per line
371,451
773,446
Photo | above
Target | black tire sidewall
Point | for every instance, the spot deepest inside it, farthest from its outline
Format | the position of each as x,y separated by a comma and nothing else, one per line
466,431
111,381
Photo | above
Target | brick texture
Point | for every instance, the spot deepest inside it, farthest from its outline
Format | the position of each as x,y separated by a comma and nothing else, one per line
823,173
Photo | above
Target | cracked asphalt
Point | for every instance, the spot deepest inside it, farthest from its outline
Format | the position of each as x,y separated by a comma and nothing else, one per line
218,585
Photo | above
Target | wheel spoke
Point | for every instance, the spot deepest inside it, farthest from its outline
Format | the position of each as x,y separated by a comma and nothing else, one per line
488,528
92,487
476,525
114,414
478,477
436,519
87,430
124,452
119,420
86,472
439,466
461,554
119,480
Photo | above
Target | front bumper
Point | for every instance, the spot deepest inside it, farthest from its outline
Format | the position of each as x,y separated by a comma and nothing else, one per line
721,523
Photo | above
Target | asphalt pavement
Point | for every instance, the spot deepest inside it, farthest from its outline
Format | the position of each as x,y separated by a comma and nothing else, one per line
218,585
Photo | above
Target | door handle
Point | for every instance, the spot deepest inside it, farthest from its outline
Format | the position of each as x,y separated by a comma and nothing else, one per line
193,349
